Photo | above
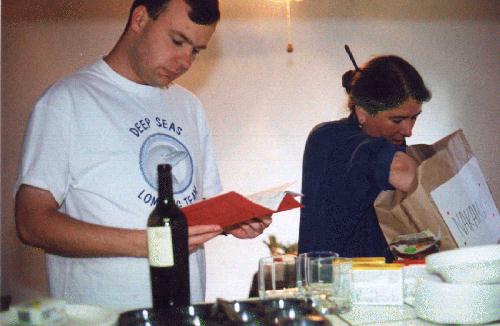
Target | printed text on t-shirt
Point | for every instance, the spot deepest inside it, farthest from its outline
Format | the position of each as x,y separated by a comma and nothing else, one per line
144,124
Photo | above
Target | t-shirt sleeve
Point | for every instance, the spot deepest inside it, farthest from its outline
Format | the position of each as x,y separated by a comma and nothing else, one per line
382,167
46,147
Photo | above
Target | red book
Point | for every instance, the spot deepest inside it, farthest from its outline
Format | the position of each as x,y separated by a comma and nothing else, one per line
232,208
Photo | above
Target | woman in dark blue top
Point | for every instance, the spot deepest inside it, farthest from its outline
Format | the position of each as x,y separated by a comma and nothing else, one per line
347,163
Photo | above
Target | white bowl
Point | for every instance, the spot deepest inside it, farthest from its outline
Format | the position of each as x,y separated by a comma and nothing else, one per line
480,264
454,303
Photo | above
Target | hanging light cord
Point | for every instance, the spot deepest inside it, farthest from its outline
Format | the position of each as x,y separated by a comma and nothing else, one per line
289,47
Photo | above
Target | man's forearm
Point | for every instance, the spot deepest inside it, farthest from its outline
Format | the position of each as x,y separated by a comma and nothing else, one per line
66,236
41,225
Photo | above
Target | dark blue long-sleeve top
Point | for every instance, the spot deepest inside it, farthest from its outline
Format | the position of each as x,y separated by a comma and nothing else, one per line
344,170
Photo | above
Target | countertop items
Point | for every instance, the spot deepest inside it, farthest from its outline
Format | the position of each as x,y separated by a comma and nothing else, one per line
459,286
364,315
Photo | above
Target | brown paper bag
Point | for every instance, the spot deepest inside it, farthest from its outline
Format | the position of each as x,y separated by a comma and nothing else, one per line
445,200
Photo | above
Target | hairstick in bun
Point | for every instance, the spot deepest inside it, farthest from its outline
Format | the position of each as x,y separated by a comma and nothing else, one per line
349,53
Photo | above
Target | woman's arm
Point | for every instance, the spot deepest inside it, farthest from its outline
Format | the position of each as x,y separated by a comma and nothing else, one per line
402,175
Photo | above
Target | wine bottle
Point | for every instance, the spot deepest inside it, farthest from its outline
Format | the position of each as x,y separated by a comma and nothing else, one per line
168,247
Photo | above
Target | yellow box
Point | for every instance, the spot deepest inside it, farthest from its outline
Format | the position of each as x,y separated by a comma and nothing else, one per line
371,266
377,284
363,260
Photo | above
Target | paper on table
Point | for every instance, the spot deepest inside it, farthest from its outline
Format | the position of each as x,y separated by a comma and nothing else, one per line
231,208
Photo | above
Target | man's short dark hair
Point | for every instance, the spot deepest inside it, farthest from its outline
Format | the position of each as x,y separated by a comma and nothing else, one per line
203,12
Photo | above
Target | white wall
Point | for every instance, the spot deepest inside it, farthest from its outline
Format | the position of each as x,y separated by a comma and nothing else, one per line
261,101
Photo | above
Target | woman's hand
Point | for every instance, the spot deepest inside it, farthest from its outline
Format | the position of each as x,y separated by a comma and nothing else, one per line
403,172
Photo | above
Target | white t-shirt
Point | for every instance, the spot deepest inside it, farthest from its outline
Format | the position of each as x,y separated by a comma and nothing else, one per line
94,140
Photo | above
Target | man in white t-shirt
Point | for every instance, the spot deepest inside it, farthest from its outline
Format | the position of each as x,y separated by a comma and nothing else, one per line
87,181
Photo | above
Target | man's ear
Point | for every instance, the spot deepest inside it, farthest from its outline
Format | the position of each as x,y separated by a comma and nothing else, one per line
361,114
139,19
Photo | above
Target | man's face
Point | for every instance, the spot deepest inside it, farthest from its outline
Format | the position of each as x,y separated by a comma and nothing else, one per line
164,49
393,124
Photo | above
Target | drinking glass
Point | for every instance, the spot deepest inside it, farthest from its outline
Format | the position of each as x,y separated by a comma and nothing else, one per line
328,284
277,277
302,267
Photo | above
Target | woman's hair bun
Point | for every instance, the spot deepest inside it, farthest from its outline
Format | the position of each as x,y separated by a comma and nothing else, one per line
347,78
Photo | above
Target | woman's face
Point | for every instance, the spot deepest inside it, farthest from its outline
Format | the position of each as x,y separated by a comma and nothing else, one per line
393,124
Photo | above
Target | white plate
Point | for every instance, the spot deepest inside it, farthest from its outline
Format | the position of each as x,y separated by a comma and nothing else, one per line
79,315
480,264
455,303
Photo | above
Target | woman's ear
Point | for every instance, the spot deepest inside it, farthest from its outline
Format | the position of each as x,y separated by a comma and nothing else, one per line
361,114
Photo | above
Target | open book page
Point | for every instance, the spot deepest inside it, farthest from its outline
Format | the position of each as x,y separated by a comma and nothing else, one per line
273,197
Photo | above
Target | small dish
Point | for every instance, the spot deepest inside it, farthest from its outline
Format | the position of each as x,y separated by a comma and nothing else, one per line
479,264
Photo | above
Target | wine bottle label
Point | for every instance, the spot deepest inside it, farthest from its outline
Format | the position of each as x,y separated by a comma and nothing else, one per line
160,251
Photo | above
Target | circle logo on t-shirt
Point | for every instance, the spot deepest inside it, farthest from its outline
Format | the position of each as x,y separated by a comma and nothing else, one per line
164,149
